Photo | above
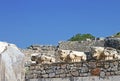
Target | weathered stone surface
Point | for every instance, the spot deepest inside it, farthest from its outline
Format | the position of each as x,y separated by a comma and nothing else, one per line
107,73
49,71
51,75
84,70
95,72
62,75
38,68
63,66
92,64
91,78
115,68
117,72
115,63
75,73
112,73
113,42
32,67
102,74
111,64
57,76
37,72
11,63
84,74
35,76
118,68
106,66
59,71
80,46
45,75
43,72
68,75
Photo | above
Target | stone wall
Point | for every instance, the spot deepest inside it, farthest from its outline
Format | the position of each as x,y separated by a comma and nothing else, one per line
91,78
40,49
81,71
85,45
80,46
50,50
101,69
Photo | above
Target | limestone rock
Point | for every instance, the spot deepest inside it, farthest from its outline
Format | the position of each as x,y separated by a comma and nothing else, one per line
11,63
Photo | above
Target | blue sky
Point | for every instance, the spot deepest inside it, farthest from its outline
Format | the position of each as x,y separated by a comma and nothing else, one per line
26,22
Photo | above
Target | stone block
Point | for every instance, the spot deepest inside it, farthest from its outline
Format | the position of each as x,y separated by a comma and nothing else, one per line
118,68
62,75
79,65
73,68
75,73
84,69
116,63
68,74
109,69
41,68
115,68
37,67
92,64
49,71
32,67
44,76
95,72
51,75
43,72
83,75
106,66
57,76
112,73
84,65
102,74
111,64
117,72
34,75
63,66
30,76
37,72
46,66
107,74
60,71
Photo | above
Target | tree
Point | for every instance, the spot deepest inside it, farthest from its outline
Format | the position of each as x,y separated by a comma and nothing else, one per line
80,37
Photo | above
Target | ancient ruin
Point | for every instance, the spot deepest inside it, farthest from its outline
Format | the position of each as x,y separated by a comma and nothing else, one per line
102,68
96,60
11,63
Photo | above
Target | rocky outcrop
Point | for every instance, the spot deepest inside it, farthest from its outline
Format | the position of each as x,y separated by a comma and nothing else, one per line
11,63
112,42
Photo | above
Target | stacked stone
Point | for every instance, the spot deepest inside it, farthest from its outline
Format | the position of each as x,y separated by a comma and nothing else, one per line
80,46
50,50
47,50
78,69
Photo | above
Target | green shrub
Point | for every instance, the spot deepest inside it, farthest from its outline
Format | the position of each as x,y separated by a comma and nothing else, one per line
80,37
117,34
